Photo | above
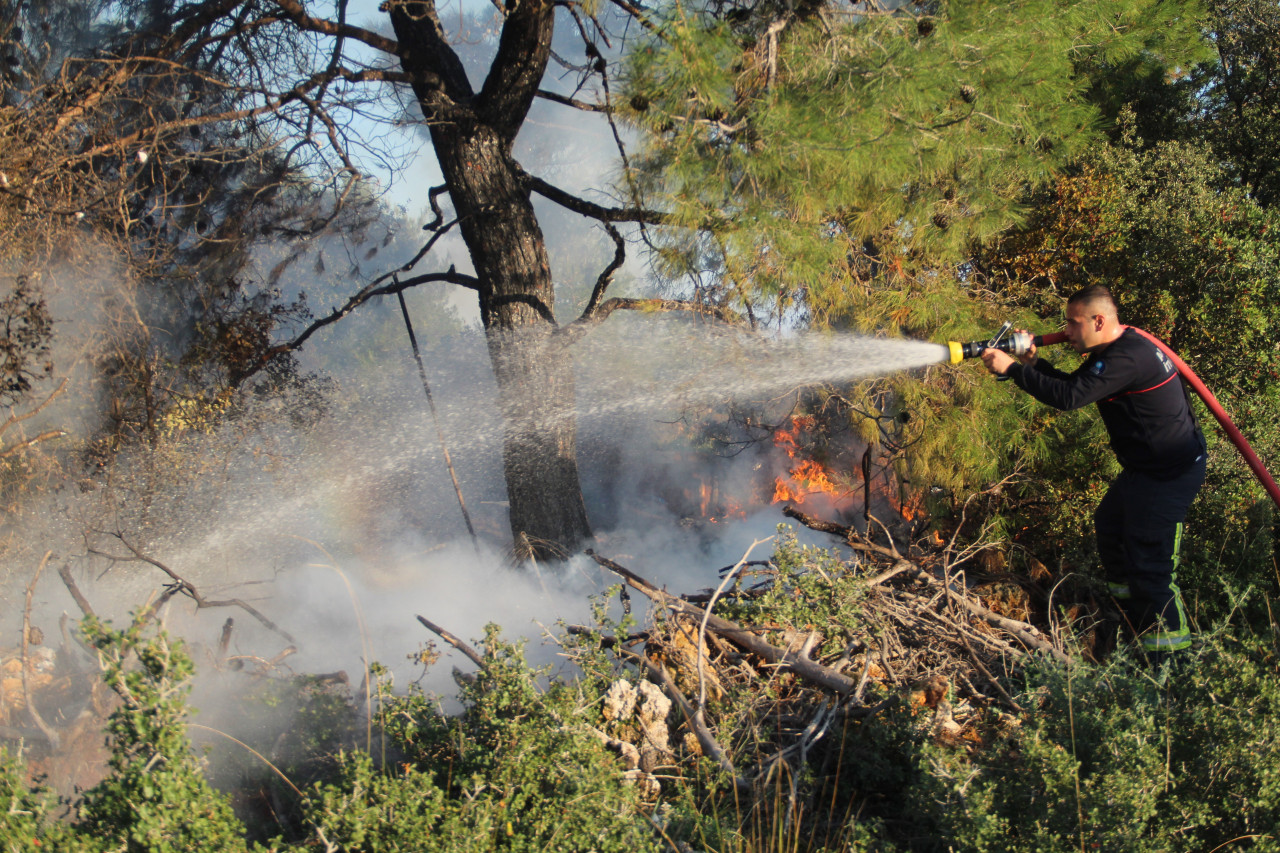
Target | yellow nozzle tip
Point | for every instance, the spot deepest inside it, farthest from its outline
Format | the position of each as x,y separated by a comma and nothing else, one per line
957,352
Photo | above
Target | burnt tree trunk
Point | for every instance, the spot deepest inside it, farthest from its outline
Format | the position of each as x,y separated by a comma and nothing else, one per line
473,134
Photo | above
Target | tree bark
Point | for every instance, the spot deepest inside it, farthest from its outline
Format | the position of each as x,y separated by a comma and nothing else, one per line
473,134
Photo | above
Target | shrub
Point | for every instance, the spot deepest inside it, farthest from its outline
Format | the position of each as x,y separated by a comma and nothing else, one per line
156,798
516,770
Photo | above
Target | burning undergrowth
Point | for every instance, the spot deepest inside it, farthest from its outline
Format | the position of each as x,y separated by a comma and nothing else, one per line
869,631
764,690
814,452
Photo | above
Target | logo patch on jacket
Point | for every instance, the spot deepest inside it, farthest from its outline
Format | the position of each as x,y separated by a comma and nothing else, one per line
1098,367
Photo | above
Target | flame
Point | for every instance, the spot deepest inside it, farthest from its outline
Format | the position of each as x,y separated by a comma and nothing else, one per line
806,476
713,505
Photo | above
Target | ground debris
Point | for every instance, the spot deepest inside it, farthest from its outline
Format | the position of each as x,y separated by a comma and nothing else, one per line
921,642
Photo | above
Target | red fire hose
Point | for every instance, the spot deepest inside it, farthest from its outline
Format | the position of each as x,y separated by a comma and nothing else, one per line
1237,438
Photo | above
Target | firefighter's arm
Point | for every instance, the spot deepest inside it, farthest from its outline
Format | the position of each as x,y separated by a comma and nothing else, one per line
1089,384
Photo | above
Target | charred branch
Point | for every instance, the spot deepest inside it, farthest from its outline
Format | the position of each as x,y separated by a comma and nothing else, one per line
76,595
370,291
433,199
440,231
606,276
607,641
472,655
185,587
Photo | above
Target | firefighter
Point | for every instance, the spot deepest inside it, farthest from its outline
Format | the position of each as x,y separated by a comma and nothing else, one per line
1161,450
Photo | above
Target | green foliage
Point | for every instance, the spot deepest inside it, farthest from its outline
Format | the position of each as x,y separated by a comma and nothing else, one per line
156,798
811,587
1235,100
291,732
1119,757
839,171
30,819
516,770
798,147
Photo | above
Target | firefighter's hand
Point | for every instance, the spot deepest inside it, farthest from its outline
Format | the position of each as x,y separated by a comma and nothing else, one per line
1029,357
996,361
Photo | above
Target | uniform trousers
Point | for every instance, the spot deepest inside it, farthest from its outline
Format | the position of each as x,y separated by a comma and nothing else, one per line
1138,525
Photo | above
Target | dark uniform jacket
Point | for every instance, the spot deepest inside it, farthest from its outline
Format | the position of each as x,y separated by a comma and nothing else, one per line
1139,395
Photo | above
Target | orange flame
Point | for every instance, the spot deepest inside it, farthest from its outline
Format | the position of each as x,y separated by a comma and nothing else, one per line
806,476
715,506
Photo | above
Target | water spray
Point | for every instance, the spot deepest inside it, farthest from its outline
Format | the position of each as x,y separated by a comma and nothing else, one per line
1019,343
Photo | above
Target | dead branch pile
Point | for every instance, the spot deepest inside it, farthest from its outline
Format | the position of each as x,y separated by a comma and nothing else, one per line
757,694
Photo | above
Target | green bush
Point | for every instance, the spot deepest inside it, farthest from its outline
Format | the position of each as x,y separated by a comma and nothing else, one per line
30,815
516,770
1115,756
1122,758
156,798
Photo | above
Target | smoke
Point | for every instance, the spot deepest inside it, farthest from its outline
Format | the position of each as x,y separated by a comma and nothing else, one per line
338,522
278,514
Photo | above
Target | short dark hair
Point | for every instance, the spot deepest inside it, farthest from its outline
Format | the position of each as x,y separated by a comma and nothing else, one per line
1095,295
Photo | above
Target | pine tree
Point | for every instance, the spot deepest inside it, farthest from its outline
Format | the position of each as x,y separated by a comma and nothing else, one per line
837,169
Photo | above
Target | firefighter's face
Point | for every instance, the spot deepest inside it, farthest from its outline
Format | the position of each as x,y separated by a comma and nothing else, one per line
1085,327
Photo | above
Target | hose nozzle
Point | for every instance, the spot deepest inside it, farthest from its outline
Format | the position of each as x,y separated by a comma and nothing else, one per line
1015,343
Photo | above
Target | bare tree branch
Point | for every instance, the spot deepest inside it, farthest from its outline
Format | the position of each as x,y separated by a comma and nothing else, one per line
606,276
591,209
298,15
76,594
374,289
184,586
585,106
472,655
